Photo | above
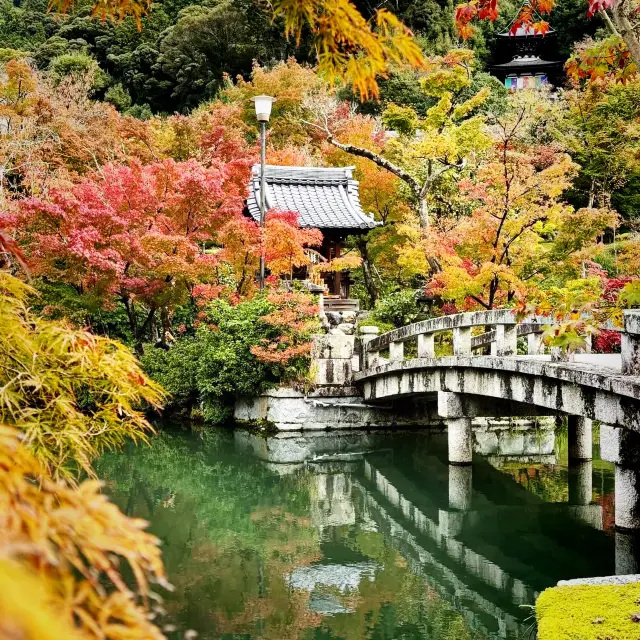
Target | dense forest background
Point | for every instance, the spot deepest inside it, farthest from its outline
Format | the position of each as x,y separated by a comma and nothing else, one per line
180,56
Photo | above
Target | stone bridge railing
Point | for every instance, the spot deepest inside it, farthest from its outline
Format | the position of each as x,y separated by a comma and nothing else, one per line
500,329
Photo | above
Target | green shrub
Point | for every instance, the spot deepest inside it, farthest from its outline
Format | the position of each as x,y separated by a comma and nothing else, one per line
589,612
239,350
398,309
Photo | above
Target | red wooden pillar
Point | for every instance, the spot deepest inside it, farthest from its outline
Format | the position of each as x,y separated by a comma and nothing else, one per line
338,275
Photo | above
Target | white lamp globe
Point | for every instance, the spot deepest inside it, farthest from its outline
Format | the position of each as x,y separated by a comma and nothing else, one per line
263,107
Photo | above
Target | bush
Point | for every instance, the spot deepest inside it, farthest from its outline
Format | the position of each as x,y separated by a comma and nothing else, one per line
65,397
398,309
237,351
588,612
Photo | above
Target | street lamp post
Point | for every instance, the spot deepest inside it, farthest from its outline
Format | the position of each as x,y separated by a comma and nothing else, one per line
263,111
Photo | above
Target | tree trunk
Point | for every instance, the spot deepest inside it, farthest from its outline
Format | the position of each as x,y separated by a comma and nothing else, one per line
367,274
166,325
423,211
130,308
625,29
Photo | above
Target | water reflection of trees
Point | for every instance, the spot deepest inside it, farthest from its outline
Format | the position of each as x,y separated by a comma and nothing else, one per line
233,531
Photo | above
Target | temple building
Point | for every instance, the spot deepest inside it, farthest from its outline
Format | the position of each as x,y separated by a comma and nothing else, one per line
523,51
324,198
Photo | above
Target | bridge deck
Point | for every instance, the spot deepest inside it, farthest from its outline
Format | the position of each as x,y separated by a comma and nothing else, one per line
610,363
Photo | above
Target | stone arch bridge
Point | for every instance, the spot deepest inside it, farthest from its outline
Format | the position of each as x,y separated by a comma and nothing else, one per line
403,364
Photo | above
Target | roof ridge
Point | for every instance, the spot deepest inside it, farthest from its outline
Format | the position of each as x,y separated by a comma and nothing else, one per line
324,197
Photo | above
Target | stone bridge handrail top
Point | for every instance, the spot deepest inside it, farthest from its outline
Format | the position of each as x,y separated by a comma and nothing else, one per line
456,321
530,324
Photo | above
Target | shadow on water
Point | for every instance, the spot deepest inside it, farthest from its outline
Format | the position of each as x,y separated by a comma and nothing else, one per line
367,534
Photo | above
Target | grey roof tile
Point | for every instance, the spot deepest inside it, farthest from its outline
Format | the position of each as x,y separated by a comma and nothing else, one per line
323,198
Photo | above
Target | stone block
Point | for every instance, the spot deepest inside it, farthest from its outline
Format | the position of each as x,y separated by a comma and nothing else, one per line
450,405
333,346
349,316
630,349
632,321
347,328
367,330
333,371
333,317
324,321
248,409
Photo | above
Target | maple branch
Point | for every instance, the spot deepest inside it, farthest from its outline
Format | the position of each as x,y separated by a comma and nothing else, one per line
447,167
529,224
370,155
480,302
607,19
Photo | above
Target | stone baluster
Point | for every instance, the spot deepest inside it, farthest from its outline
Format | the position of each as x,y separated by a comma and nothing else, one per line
631,344
367,334
396,351
506,340
462,341
426,348
534,344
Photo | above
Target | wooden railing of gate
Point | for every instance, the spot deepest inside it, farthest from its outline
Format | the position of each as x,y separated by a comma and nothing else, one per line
500,329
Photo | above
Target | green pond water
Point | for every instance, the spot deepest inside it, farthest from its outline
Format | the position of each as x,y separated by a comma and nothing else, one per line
361,535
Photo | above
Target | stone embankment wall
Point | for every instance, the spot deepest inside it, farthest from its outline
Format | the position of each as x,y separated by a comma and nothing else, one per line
332,402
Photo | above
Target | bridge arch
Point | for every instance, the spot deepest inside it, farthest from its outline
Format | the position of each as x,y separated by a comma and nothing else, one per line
590,387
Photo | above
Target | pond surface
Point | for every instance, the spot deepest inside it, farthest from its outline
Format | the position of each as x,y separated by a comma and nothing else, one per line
353,536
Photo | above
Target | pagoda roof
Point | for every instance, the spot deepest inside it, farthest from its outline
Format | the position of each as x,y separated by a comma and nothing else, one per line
326,198
526,63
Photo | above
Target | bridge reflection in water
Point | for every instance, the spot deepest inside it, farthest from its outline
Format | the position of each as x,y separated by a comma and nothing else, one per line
487,537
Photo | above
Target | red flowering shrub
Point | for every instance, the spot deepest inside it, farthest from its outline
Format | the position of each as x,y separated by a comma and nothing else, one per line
607,342
238,350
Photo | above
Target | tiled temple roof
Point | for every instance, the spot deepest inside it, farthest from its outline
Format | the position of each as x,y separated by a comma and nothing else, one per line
323,198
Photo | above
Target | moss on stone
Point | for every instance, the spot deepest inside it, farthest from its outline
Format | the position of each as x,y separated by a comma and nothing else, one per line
598,612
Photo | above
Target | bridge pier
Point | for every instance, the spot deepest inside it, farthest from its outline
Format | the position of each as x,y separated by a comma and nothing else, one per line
622,447
625,553
460,440
451,520
580,438
460,487
458,421
580,482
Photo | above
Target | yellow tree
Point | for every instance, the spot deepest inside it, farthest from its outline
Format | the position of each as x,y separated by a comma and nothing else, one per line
520,235
423,151
65,396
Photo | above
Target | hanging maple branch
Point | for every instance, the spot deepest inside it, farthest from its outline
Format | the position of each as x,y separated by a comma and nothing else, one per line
349,48
620,16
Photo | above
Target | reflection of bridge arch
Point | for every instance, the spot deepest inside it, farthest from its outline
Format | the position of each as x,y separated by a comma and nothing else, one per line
448,534
476,575
601,387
